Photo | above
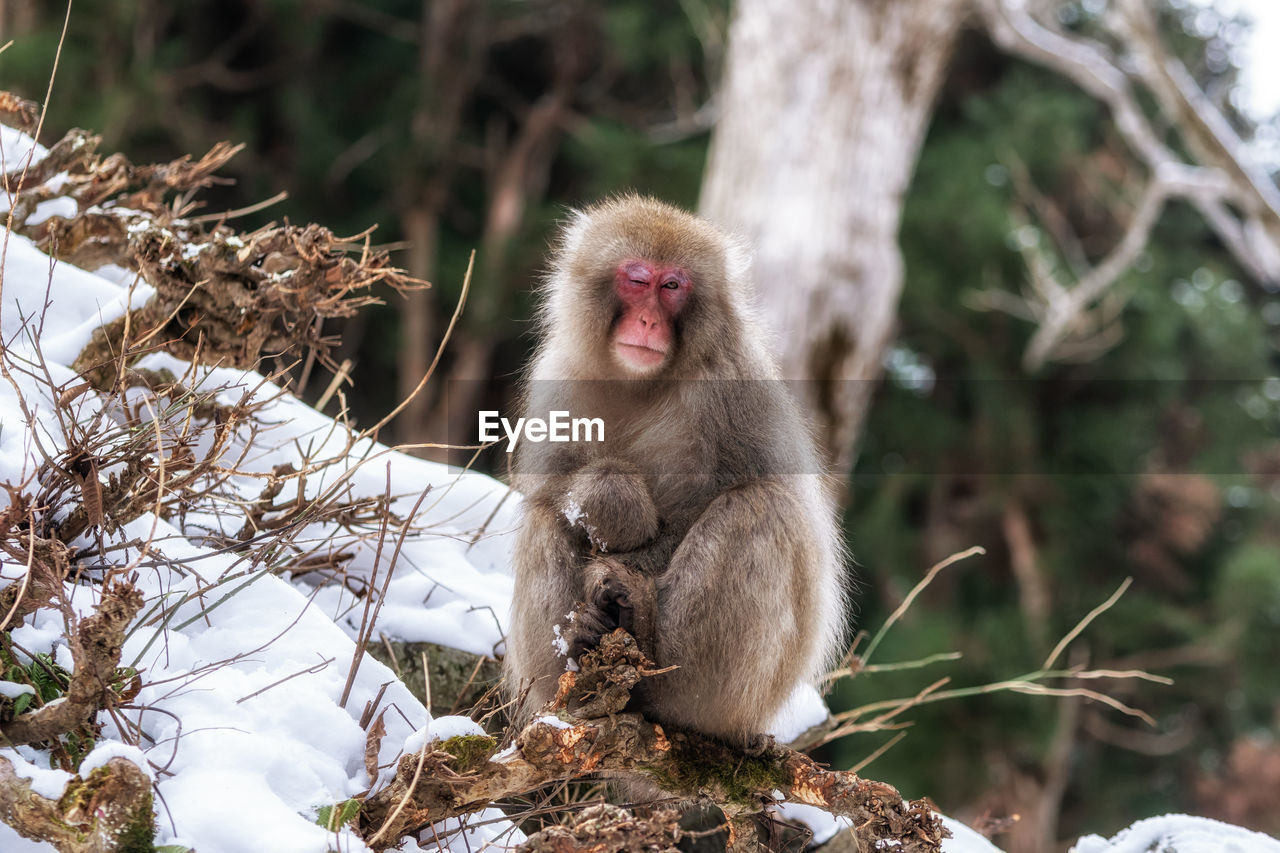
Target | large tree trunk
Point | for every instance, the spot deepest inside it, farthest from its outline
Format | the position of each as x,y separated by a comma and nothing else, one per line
823,111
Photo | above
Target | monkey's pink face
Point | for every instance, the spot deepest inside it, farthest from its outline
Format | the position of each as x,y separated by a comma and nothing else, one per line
652,296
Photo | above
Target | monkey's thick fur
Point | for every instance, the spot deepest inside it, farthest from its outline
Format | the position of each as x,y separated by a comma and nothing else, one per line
701,522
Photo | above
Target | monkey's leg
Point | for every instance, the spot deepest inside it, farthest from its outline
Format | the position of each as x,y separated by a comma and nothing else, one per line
736,611
547,587
610,500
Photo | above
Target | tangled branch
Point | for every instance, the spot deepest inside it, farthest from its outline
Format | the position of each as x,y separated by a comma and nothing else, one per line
221,297
109,811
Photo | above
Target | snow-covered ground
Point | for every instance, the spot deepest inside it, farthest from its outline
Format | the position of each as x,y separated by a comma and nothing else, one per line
240,721
243,730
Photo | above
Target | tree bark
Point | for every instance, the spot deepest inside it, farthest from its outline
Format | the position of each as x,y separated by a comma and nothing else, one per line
823,112
107,812
420,225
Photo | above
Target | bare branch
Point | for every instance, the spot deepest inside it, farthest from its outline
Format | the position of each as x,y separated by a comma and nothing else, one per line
1206,130
1088,64
1064,307
1224,178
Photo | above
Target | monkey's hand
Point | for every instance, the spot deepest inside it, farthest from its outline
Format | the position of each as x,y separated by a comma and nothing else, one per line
609,500
616,597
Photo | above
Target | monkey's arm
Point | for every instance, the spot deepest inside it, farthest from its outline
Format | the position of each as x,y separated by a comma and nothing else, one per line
609,499
547,587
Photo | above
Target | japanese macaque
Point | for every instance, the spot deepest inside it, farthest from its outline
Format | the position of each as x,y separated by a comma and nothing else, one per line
700,522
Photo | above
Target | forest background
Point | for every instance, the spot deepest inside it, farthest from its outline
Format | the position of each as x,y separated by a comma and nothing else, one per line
1152,452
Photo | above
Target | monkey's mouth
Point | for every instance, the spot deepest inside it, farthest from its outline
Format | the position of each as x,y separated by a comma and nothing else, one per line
639,357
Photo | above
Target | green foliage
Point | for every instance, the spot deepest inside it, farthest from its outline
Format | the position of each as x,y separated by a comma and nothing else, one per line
469,751
43,674
1247,596
49,681
336,816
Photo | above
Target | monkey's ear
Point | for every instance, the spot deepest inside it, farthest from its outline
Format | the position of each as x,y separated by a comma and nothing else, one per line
573,232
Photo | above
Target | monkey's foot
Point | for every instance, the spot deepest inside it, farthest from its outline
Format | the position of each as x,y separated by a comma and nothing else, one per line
587,626
616,597
607,608
757,745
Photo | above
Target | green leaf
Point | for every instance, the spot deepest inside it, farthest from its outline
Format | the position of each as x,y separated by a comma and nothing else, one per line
337,816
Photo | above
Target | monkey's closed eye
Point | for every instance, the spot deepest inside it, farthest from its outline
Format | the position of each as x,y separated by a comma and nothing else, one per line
638,281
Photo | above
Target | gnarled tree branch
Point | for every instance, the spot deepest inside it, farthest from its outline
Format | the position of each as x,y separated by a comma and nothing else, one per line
111,810
584,731
95,647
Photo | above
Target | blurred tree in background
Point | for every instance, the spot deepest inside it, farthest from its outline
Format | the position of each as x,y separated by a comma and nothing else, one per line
1153,452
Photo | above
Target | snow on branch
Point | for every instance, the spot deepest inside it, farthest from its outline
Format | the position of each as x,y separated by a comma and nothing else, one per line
112,804
1238,202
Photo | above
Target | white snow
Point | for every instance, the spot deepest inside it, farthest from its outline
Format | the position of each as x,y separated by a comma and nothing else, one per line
821,823
15,147
107,750
44,781
443,728
553,721
60,206
12,842
824,826
239,713
576,516
803,710
487,830
1181,833
965,840
572,511
558,641
10,690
